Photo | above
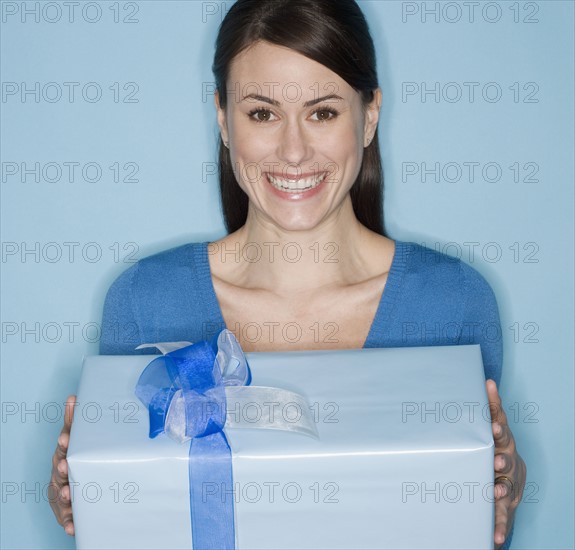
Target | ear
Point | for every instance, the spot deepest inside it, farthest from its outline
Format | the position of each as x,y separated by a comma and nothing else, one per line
372,117
222,121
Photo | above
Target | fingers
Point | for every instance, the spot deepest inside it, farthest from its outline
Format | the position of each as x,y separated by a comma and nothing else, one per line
59,464
519,475
59,497
495,407
65,519
509,468
502,437
501,521
63,469
60,501
503,464
59,488
69,413
68,524
504,487
65,493
504,514
62,447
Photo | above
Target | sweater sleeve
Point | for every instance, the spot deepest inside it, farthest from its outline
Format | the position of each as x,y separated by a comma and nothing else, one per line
120,330
481,324
166,297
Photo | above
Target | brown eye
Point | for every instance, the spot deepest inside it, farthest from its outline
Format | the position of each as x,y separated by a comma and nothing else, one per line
324,115
261,115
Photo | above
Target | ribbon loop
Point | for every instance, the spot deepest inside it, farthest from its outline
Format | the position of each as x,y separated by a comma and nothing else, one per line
232,361
184,391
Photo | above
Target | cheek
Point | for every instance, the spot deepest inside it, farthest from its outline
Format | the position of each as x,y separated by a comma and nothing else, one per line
346,138
246,155
346,150
250,145
245,161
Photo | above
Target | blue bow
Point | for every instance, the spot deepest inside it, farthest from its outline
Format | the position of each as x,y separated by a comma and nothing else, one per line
184,392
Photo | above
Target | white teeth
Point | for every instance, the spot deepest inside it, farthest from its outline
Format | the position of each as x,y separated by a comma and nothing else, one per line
294,186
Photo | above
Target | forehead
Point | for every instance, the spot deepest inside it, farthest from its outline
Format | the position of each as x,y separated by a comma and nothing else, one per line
275,68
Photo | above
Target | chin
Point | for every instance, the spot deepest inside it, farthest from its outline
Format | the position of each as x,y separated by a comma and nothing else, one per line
299,224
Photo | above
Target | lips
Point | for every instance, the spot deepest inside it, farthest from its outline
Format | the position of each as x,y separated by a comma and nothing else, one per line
297,185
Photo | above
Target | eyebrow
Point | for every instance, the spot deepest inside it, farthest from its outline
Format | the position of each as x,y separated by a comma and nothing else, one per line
276,103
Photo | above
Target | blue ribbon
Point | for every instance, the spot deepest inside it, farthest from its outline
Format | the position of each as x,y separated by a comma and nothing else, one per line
192,381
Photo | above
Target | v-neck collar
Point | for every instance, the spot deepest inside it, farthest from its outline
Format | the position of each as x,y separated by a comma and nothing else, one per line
382,315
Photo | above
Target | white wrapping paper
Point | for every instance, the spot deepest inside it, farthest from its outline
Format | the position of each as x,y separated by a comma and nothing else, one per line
404,458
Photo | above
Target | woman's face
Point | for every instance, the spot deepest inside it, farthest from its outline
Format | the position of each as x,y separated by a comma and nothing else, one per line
296,134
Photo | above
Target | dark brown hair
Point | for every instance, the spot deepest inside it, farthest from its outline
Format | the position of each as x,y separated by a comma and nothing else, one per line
331,32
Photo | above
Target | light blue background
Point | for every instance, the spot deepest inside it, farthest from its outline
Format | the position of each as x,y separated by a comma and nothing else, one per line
170,133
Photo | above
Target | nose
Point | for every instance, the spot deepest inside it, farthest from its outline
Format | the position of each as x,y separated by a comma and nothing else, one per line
294,145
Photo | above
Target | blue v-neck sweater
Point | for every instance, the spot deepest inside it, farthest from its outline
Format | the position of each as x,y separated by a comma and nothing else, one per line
429,299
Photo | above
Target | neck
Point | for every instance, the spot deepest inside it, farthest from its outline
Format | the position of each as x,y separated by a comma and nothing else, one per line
262,255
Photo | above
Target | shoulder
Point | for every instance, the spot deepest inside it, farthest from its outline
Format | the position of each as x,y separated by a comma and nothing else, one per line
445,301
437,271
179,256
159,298
435,284
154,268
159,279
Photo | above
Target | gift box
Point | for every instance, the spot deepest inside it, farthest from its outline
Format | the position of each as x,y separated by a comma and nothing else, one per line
400,456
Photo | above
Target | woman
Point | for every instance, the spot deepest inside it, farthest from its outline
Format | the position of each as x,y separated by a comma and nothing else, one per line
306,264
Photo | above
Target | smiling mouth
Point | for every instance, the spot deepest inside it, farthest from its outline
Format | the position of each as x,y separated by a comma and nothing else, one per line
296,185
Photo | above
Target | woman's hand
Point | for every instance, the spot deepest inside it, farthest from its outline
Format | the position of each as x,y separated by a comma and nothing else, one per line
59,489
510,470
